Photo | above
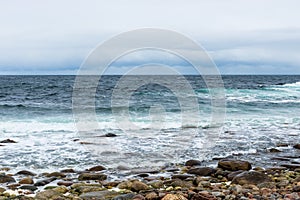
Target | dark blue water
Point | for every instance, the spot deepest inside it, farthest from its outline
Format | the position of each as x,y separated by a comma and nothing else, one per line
37,112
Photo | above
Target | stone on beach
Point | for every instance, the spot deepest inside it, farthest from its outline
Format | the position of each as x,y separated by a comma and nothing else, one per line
8,141
6,179
92,176
201,171
97,168
192,162
25,172
99,195
251,177
234,165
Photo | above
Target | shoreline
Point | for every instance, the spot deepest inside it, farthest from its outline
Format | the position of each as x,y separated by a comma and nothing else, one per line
230,179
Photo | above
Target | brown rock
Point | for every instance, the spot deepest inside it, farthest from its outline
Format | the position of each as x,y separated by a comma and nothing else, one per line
231,175
182,176
25,172
192,162
65,183
251,178
138,186
151,196
97,168
181,183
91,176
67,171
6,179
234,165
174,197
138,197
297,146
26,180
291,166
201,171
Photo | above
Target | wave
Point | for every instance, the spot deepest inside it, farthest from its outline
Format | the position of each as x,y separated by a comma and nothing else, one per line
296,84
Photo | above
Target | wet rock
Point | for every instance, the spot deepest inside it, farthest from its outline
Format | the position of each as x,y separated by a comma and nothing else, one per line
138,197
125,185
92,176
28,187
110,135
297,146
144,171
151,196
174,197
181,176
97,168
44,182
67,171
231,175
48,194
181,183
291,166
156,184
282,145
56,174
124,196
99,195
296,188
201,171
26,180
13,186
274,150
65,183
25,172
6,179
251,178
234,165
192,162
8,141
138,186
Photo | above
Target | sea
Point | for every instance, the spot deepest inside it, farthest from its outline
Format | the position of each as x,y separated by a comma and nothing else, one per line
261,112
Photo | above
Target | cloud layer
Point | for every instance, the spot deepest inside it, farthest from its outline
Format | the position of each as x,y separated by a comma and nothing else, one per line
54,37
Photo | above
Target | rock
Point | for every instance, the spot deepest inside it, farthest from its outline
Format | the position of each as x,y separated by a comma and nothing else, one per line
124,196
201,171
28,187
174,197
26,180
56,174
192,162
181,176
6,179
156,184
25,172
97,168
91,176
84,188
138,197
48,194
13,186
231,175
2,190
144,171
67,171
99,195
44,182
110,135
274,150
125,185
65,183
151,196
181,183
282,145
8,141
138,186
296,188
251,178
234,165
291,166
297,146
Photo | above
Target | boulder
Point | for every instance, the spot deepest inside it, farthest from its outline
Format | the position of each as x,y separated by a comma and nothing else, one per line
251,178
138,186
91,176
174,197
192,162
8,141
234,165
97,168
201,171
6,179
25,172
26,180
99,195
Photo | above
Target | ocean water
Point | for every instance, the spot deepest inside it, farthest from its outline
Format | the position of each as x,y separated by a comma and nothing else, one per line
36,111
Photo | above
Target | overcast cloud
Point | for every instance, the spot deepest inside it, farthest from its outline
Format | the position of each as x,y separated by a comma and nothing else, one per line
243,37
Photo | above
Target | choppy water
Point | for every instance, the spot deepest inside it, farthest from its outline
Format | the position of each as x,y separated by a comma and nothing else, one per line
36,111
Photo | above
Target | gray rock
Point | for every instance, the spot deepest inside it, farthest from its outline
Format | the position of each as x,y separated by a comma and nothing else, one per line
28,187
97,168
201,171
251,177
25,172
92,176
99,195
192,162
124,196
234,165
6,179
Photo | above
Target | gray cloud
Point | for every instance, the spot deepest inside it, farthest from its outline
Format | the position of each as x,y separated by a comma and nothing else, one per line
55,36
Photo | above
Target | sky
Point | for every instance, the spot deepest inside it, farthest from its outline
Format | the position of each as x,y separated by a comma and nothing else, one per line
241,37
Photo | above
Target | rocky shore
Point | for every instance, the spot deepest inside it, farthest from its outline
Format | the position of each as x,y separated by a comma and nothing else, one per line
230,179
